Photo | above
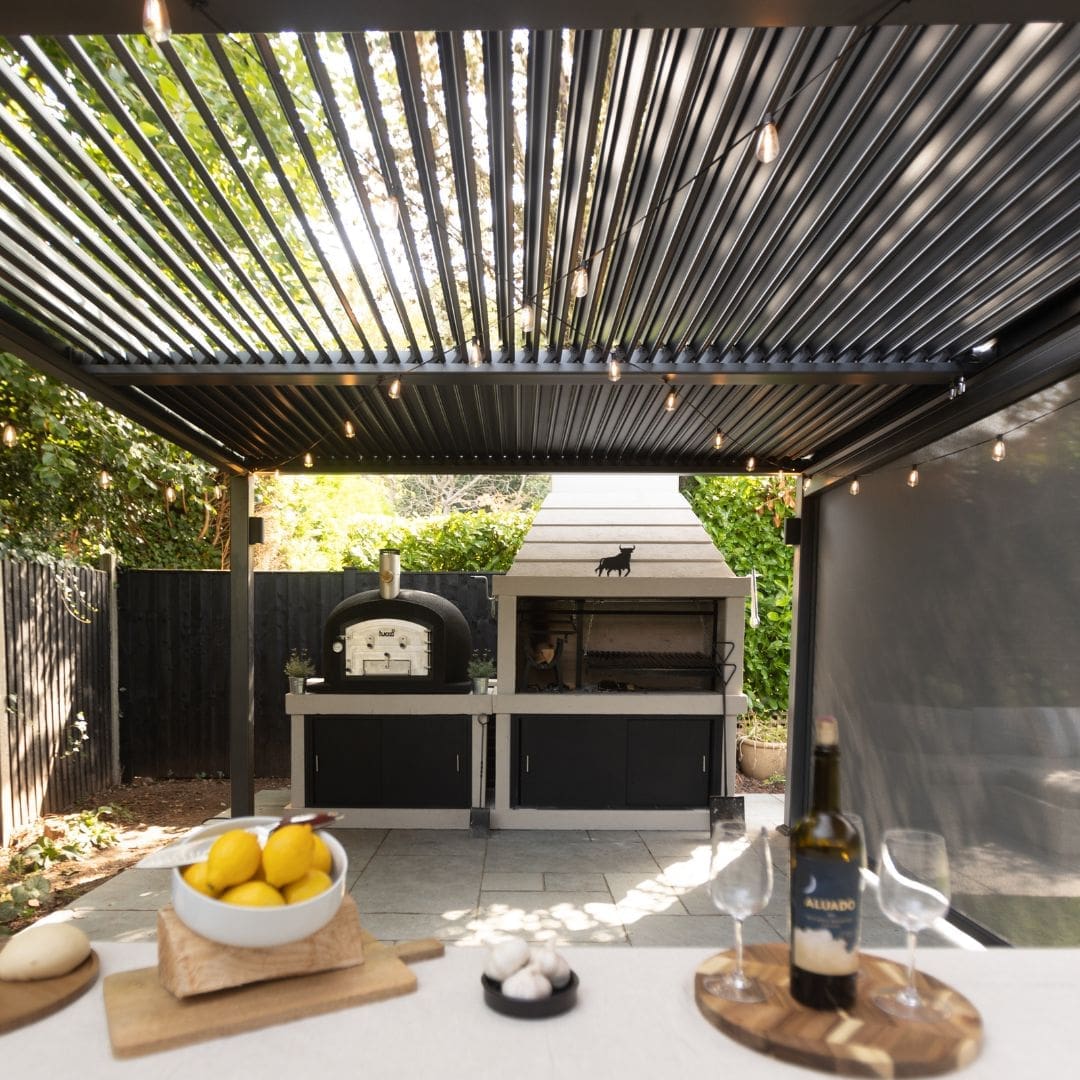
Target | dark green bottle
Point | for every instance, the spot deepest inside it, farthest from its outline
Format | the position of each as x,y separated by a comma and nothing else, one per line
826,861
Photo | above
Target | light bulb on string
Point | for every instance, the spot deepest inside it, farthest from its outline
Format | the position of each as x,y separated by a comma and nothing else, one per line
672,400
854,486
718,440
528,316
998,453
393,391
170,493
751,463
350,430
580,284
913,477
217,491
104,479
768,141
10,436
614,368
476,356
155,21
309,461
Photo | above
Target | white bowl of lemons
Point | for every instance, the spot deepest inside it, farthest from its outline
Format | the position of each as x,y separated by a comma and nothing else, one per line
259,896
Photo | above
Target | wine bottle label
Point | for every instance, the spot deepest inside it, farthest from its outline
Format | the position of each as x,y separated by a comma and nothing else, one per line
824,915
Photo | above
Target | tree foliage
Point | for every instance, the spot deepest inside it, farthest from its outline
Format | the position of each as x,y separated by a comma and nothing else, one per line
480,542
52,502
745,518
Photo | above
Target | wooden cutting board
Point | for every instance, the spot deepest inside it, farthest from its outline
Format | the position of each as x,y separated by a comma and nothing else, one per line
144,1017
23,1002
863,1041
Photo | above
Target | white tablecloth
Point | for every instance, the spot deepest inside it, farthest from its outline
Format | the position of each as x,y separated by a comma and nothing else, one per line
635,1018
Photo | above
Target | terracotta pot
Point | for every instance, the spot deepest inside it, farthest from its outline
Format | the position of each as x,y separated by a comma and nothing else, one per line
759,760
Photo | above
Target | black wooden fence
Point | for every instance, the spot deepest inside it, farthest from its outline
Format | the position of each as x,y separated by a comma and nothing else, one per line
174,661
57,728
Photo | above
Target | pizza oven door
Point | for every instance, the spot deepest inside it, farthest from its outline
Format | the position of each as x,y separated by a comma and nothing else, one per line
385,647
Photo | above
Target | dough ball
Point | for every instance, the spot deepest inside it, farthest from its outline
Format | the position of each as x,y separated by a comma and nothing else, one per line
43,952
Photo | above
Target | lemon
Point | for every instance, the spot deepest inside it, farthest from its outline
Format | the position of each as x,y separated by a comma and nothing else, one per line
288,854
195,876
232,860
253,894
322,860
311,884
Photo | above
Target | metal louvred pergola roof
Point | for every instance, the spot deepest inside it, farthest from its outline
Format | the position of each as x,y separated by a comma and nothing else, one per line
193,233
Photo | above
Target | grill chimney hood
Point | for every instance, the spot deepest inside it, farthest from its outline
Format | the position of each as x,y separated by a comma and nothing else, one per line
589,518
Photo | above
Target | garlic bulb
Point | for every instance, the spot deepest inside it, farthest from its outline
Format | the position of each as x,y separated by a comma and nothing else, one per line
552,966
505,958
527,985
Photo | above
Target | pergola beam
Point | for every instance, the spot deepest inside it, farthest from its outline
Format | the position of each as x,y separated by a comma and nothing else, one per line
274,16
592,371
54,362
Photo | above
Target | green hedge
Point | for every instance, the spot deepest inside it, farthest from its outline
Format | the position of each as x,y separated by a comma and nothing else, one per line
476,541
745,518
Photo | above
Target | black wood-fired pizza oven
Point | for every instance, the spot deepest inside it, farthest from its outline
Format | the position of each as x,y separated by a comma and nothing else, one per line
396,641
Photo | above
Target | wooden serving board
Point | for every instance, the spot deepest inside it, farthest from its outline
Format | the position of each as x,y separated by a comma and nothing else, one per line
189,964
144,1017
24,1002
863,1041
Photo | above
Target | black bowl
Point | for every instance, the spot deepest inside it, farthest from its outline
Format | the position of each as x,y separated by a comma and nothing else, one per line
561,1000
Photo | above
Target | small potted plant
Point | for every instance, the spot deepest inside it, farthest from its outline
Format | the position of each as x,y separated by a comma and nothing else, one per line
481,669
298,667
762,745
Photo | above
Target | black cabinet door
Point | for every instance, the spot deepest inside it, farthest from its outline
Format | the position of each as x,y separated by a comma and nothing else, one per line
572,762
425,761
346,761
667,762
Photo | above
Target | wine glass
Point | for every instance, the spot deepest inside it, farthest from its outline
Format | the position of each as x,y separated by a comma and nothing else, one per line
913,891
740,883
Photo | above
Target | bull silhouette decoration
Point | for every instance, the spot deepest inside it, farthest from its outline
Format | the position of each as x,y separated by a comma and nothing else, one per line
618,562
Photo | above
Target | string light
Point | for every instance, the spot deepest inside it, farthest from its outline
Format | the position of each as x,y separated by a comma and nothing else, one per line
309,461
104,479
476,357
854,486
387,213
751,463
614,368
155,21
528,316
10,436
217,491
580,284
170,493
393,391
913,477
998,453
672,400
350,431
718,440
768,141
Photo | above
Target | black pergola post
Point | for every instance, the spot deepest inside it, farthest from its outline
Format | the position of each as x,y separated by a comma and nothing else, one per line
241,647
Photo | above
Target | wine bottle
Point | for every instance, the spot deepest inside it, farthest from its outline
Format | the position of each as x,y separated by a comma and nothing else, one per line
826,857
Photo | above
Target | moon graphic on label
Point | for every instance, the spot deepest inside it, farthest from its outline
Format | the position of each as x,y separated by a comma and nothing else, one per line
812,886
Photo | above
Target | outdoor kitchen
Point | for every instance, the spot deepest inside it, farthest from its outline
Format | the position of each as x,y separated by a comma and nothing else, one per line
620,645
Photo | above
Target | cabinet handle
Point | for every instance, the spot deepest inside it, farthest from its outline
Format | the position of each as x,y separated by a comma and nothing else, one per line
316,762
457,763
526,762
703,769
